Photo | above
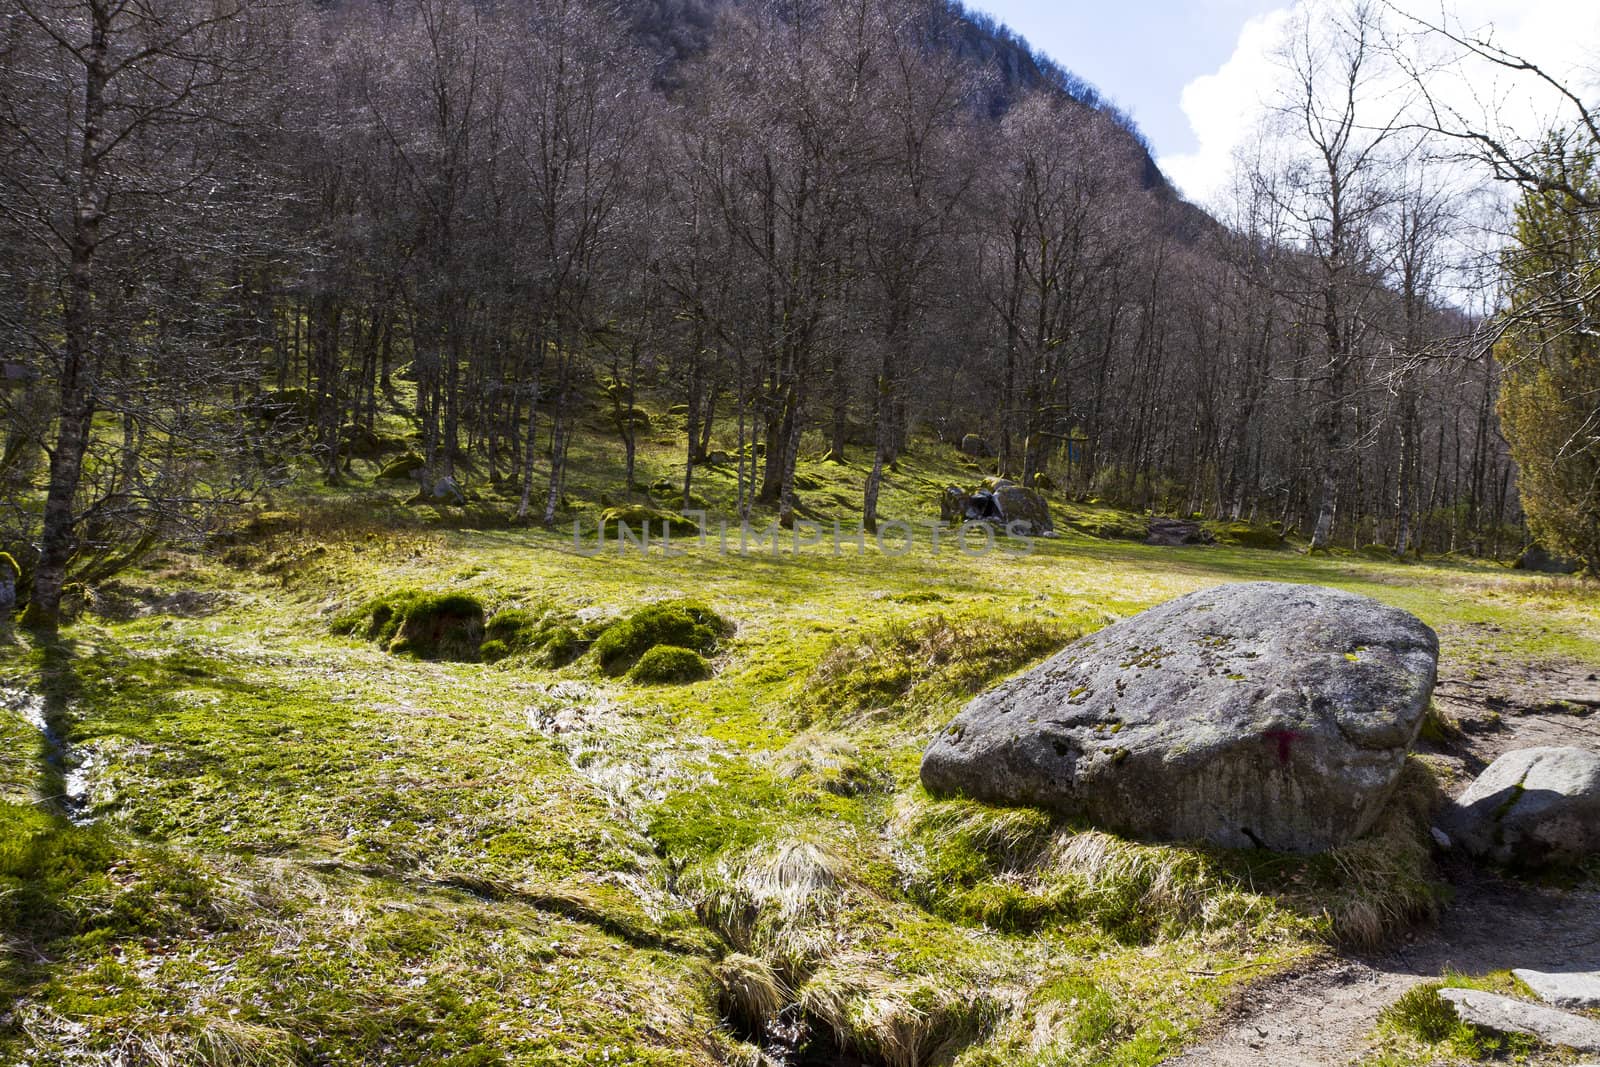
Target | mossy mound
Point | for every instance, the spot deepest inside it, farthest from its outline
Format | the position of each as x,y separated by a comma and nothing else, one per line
1383,553
682,624
402,466
547,638
638,516
668,664
1246,535
432,626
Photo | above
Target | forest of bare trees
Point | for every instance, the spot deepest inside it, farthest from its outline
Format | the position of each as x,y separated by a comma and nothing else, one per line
236,234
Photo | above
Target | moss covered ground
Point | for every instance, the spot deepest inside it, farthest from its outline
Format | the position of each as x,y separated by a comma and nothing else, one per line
255,835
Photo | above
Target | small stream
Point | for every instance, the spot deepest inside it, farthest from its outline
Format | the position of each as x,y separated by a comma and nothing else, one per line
64,778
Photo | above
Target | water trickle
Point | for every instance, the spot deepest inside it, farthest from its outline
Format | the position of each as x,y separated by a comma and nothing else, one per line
73,775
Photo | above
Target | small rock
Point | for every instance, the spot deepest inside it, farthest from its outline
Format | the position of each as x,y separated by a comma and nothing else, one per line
1440,838
1507,1016
1575,989
1532,807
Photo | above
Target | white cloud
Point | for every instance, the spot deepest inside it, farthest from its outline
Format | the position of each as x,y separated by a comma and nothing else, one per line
1225,108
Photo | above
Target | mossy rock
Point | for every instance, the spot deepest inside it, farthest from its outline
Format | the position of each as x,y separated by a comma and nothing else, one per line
806,483
679,623
669,664
636,516
9,570
1379,552
637,418
431,626
678,409
402,466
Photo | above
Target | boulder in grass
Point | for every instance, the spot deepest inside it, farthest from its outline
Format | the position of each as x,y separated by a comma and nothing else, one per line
1532,807
1257,714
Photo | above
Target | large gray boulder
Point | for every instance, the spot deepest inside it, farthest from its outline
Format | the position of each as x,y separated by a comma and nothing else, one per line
1532,807
1247,715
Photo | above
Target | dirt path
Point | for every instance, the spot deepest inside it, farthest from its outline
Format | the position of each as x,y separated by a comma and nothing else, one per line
1322,1015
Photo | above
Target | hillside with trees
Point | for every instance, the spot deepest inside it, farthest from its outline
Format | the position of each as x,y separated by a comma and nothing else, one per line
280,226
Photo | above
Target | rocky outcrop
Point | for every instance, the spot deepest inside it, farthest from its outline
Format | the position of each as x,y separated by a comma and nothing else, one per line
1532,807
1258,714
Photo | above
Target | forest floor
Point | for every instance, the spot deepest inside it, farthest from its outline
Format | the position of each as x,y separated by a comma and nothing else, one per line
232,835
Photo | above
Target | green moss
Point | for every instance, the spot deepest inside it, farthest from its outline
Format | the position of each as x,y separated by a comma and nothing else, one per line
8,566
447,626
681,623
1246,535
666,664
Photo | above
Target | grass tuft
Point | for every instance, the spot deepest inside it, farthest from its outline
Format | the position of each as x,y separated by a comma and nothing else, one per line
750,992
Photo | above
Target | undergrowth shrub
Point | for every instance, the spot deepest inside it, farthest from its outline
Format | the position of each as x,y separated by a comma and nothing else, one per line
924,663
434,626
680,623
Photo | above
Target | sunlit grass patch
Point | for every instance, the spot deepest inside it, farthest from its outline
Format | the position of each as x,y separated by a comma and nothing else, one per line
923,663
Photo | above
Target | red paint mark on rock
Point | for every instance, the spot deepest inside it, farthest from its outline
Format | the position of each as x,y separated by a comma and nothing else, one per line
1285,739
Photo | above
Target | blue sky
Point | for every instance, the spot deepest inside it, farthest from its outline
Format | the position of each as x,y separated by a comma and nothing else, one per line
1197,75
1140,53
